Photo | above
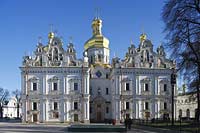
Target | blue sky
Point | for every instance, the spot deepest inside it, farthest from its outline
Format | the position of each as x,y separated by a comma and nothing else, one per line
23,21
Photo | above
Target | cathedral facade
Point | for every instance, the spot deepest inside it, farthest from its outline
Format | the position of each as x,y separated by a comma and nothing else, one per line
58,87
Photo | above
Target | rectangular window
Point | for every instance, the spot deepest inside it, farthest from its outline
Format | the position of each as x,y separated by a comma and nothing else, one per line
34,86
146,87
55,106
55,86
75,105
127,87
165,105
165,87
75,86
106,91
107,110
34,106
107,76
90,110
146,105
127,105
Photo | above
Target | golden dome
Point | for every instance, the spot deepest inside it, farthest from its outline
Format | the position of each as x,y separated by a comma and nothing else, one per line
96,21
143,37
98,41
51,35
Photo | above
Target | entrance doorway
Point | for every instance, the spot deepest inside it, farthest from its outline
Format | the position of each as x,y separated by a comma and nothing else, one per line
35,118
75,117
99,117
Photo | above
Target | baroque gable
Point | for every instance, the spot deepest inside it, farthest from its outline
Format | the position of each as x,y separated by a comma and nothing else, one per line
54,55
143,56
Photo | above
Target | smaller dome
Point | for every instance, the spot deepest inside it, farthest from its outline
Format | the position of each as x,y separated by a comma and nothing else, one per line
143,37
51,35
96,21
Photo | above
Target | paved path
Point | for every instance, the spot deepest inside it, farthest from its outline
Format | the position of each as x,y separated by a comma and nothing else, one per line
62,128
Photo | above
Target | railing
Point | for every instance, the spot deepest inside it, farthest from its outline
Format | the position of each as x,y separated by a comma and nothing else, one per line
126,92
164,93
54,92
74,92
146,93
32,92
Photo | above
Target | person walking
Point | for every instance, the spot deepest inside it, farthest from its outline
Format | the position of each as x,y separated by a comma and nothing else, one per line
129,123
126,123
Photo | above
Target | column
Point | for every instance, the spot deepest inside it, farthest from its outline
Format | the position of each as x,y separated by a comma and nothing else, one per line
137,110
139,86
117,110
120,109
44,84
153,108
66,85
47,110
134,108
117,85
44,111
159,108
86,111
158,88
41,110
61,110
153,88
140,109
156,85
24,110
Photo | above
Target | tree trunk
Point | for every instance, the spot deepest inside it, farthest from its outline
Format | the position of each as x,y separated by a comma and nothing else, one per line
17,110
1,111
198,97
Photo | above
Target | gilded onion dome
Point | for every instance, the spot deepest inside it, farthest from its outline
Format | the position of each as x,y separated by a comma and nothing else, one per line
97,40
143,37
51,35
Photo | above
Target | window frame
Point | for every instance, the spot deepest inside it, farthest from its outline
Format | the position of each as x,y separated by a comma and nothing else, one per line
55,107
146,106
165,105
34,84
75,88
146,87
35,106
127,107
107,91
165,87
75,105
127,88
53,86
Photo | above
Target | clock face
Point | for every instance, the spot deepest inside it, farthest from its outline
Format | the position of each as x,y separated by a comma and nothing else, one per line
98,74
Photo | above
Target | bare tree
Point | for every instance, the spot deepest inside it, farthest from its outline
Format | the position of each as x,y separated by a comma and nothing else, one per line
182,25
17,94
3,97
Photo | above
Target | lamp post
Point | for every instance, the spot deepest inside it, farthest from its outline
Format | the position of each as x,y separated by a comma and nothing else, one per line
173,82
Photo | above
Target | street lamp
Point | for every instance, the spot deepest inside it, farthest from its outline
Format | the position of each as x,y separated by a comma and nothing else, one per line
173,82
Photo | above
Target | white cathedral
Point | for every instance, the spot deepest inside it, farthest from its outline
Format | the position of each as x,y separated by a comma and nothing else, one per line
58,87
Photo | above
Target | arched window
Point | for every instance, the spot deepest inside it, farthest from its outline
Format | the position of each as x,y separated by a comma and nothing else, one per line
188,113
99,91
147,55
55,54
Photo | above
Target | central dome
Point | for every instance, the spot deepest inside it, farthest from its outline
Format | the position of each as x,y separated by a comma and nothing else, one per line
97,40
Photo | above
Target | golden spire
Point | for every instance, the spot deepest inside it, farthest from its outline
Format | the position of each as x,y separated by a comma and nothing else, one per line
143,36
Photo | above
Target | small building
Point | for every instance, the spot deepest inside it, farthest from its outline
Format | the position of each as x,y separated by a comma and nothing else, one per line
10,108
186,105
